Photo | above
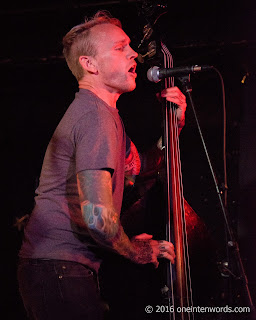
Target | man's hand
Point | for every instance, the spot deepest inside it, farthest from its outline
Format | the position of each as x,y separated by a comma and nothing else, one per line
159,249
174,95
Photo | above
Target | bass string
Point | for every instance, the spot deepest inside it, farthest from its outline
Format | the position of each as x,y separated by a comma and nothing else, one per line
178,198
168,193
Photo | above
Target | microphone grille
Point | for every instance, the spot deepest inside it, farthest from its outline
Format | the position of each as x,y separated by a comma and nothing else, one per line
153,74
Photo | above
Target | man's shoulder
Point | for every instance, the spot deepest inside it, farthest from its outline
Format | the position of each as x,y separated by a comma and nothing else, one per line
83,102
87,102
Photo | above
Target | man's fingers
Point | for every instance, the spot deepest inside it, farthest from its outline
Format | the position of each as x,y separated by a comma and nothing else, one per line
165,244
169,250
168,256
174,95
177,100
156,264
173,92
166,250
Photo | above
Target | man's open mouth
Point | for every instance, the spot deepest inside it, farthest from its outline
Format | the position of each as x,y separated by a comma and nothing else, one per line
132,69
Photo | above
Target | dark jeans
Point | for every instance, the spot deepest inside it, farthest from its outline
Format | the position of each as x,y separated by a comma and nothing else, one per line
56,289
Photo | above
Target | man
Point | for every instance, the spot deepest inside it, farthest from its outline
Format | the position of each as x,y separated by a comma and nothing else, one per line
77,208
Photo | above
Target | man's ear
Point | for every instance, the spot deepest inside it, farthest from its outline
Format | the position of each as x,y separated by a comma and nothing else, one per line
88,63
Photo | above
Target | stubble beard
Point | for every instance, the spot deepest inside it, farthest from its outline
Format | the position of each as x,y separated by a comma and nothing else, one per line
123,83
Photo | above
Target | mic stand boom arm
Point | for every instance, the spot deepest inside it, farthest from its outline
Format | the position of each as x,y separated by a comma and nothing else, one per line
232,243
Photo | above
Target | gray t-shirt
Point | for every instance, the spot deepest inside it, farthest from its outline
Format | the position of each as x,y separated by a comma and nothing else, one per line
89,136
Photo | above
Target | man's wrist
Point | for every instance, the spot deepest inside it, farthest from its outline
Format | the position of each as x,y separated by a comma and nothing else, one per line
143,251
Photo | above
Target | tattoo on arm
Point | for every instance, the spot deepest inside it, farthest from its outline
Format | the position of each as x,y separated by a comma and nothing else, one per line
102,221
95,191
105,227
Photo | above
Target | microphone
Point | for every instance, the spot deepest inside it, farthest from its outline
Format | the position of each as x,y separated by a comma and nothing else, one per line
155,73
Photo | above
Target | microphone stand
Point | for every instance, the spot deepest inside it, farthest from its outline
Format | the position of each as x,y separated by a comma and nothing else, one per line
231,242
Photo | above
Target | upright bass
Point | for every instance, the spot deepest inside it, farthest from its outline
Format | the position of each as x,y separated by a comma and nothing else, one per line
179,293
182,226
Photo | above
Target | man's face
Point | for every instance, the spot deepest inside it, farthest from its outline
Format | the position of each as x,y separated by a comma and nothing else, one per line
114,58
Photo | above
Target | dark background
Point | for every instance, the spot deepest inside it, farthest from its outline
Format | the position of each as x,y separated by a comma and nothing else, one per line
37,87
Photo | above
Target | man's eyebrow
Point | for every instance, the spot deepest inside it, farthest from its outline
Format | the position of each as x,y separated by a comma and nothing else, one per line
123,41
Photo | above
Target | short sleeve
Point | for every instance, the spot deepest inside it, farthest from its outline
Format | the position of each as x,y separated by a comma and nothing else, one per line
96,143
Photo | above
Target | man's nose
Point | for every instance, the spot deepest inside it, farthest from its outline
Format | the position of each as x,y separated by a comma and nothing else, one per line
133,54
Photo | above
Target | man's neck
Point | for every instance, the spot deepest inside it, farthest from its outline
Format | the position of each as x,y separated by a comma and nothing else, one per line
109,97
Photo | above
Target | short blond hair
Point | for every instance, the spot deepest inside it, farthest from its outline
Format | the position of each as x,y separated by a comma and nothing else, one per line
77,41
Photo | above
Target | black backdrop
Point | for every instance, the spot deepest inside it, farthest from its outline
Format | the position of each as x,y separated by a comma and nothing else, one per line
37,87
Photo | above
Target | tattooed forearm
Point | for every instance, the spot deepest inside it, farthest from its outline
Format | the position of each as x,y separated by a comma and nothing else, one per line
95,192
104,226
101,221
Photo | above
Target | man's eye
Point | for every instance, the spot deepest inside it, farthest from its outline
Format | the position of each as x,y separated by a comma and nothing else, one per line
120,48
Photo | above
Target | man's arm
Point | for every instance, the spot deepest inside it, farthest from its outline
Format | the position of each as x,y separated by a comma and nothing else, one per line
95,192
152,158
